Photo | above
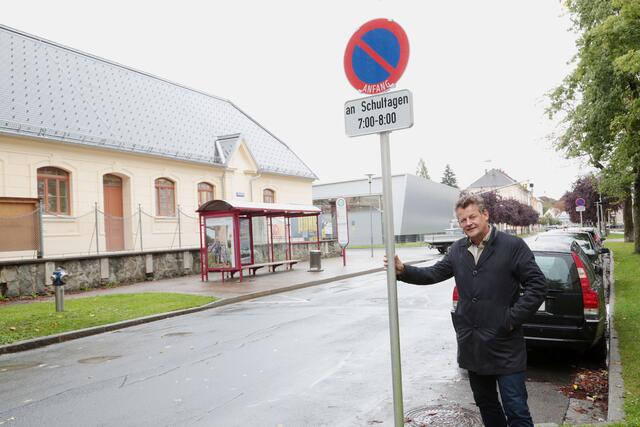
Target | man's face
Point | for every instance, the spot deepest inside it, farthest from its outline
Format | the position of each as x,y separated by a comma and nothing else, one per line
474,223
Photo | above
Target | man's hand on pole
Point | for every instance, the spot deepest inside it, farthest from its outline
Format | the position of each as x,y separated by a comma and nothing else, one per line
399,265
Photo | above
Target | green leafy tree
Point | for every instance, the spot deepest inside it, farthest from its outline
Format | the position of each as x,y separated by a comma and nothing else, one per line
449,178
421,170
599,101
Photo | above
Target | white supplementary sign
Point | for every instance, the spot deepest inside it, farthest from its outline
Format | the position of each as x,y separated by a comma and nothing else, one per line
379,113
342,221
580,208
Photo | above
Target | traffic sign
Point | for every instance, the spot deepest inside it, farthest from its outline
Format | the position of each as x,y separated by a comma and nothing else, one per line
580,208
379,113
376,56
342,221
580,201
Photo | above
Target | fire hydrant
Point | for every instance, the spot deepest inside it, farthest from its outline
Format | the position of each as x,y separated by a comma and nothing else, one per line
59,279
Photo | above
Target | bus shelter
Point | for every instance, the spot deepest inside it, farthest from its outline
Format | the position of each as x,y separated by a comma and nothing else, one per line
238,235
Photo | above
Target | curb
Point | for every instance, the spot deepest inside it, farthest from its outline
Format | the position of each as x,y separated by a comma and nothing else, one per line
81,333
616,384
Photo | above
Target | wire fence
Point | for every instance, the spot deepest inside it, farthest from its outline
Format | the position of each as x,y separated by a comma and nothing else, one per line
35,234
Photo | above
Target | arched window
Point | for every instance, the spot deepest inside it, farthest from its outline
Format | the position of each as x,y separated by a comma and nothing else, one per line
53,188
268,196
206,192
165,197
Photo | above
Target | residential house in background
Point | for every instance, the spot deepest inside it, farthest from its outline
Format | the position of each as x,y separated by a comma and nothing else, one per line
506,187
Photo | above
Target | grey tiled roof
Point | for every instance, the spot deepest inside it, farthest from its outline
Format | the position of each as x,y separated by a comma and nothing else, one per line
493,178
51,91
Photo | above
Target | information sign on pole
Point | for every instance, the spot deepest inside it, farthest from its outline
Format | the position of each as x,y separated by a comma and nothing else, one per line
375,58
580,208
342,221
379,113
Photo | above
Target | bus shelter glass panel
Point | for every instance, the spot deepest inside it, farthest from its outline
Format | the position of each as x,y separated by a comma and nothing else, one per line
304,229
220,242
261,246
279,236
245,241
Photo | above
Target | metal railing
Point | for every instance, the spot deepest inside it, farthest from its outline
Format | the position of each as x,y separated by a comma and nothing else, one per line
96,232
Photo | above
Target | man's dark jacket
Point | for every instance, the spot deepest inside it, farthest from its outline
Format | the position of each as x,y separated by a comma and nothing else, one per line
490,309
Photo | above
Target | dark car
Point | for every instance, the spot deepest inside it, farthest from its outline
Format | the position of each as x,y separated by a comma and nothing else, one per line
574,313
593,250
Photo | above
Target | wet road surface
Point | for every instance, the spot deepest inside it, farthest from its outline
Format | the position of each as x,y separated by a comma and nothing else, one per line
314,357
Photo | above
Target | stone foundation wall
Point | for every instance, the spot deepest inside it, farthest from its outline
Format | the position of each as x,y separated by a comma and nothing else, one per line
33,277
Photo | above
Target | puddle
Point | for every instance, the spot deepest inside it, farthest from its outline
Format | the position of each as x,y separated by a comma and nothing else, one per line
97,359
177,334
18,366
440,416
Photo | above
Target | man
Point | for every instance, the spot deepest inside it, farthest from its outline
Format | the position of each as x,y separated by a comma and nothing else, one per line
489,269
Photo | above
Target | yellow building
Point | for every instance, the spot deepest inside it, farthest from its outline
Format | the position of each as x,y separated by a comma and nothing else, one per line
122,159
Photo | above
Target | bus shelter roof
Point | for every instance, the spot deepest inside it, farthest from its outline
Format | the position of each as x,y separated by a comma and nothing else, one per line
252,208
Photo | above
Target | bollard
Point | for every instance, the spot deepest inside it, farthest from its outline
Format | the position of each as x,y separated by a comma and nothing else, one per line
59,279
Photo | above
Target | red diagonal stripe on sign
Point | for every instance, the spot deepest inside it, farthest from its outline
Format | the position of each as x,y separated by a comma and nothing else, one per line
374,55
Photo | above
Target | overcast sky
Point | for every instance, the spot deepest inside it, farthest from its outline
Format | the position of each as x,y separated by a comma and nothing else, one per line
478,71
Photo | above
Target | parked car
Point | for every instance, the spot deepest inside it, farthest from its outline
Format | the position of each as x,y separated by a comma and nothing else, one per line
574,313
442,241
584,239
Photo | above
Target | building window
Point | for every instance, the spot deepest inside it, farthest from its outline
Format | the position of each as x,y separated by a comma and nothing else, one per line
206,192
268,196
53,189
165,197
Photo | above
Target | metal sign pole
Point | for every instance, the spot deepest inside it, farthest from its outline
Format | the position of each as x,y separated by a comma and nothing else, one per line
580,218
392,292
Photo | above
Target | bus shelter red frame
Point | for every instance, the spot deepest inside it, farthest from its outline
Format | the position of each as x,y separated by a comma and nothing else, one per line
241,210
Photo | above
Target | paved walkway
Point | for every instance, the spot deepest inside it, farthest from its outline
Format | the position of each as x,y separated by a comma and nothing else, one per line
359,261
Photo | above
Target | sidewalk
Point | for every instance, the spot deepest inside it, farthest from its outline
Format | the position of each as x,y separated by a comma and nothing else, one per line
359,262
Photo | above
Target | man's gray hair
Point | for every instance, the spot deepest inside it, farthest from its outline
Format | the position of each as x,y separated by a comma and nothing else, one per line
472,199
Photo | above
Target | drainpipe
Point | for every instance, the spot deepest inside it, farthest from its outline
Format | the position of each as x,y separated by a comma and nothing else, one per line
251,185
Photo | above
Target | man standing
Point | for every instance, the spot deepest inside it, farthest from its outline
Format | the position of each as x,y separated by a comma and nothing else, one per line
489,267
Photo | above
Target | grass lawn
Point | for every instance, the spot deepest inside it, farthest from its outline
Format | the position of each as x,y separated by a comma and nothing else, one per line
37,319
615,236
627,321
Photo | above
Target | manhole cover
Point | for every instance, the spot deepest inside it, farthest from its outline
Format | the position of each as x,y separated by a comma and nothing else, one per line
177,334
439,416
97,359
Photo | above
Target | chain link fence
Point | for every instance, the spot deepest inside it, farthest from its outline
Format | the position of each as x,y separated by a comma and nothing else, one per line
34,235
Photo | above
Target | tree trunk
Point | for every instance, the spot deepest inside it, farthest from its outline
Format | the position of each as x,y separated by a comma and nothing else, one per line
627,218
636,211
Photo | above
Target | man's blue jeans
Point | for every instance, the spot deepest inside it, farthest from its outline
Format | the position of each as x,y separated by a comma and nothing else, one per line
513,394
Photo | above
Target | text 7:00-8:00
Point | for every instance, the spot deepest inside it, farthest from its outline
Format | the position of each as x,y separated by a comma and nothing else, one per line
381,120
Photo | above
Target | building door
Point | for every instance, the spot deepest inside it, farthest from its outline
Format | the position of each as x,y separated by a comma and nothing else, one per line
113,212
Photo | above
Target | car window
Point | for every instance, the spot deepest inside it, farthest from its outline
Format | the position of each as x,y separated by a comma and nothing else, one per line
557,270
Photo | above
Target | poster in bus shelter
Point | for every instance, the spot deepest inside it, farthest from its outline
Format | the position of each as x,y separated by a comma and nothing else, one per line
219,240
245,241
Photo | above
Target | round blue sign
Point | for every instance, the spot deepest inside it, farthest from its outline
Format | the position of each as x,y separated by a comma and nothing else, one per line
580,201
376,56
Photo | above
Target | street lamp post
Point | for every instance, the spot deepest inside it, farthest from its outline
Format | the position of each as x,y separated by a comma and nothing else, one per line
369,175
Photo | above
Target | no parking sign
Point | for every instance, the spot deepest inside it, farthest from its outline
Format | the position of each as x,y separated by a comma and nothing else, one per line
376,56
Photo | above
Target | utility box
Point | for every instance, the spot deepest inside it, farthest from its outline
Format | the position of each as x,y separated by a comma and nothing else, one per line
315,263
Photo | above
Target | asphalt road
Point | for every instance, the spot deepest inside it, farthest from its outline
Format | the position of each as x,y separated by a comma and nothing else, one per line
314,357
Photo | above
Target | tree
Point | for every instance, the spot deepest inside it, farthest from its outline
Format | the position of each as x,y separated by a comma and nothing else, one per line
449,178
422,169
586,188
599,101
